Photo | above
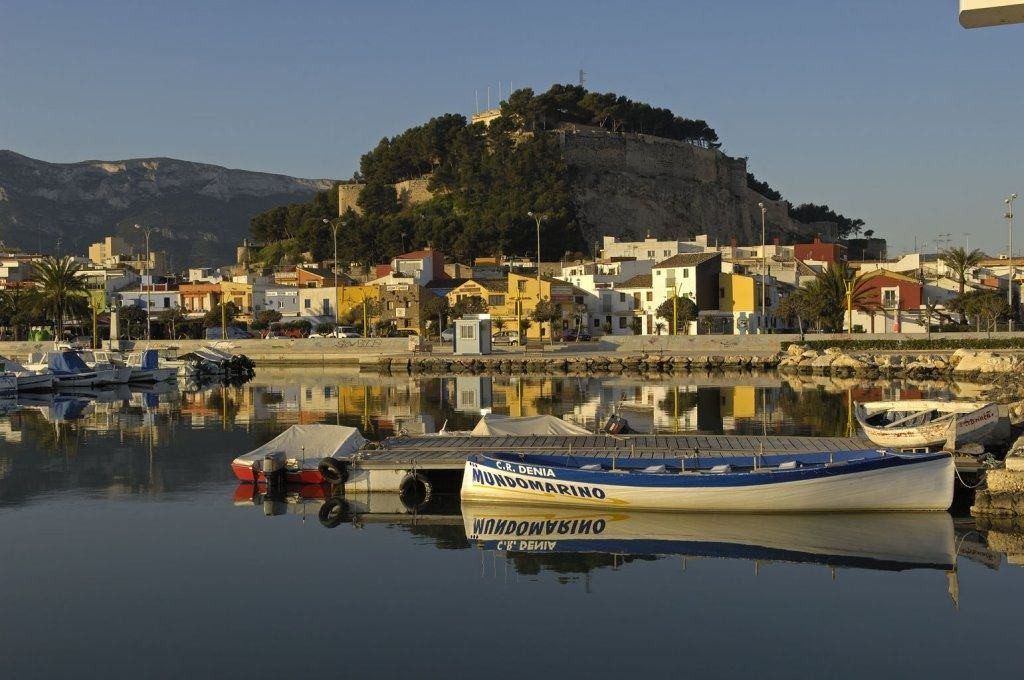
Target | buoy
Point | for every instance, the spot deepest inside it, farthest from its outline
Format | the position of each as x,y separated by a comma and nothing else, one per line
333,470
415,490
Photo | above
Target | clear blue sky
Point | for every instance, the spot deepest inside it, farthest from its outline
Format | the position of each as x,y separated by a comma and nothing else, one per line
886,110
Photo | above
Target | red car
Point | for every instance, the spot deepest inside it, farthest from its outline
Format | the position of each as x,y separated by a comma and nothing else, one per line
571,335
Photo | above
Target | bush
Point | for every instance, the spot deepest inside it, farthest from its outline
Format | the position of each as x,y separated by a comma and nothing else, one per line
325,328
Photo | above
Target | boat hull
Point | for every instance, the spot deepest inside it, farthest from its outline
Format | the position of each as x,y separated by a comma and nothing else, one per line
245,473
975,426
876,540
153,374
895,483
35,381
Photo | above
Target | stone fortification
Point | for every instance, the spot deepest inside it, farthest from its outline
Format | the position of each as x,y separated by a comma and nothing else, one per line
629,185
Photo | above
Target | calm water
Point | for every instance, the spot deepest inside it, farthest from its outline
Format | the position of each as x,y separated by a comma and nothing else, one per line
130,551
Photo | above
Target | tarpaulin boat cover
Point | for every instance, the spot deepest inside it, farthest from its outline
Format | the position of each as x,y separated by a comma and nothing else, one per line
499,426
66,362
309,443
149,360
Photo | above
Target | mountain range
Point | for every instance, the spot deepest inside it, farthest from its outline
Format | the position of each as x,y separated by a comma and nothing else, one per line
198,212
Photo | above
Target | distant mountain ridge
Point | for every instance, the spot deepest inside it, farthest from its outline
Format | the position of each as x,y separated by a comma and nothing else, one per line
199,212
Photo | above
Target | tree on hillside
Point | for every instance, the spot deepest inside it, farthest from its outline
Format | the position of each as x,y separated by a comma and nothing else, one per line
60,294
812,212
685,312
762,188
958,261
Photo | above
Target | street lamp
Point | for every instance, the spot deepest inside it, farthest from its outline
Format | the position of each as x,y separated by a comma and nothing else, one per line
334,229
1009,220
149,288
538,218
760,320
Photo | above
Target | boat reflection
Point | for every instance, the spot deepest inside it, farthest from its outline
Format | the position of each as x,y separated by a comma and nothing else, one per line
885,541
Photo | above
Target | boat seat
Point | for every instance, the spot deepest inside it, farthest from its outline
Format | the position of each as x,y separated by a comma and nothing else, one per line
656,469
789,465
719,469
592,467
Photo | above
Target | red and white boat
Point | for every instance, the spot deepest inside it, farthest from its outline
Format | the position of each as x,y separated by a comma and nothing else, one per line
300,451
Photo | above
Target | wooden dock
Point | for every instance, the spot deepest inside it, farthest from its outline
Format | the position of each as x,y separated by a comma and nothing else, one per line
450,452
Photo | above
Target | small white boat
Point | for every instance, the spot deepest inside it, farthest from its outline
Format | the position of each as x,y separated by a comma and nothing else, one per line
306,454
145,367
870,540
925,423
27,379
69,370
840,481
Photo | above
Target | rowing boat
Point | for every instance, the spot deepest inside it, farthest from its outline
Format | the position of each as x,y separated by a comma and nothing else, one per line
845,481
925,423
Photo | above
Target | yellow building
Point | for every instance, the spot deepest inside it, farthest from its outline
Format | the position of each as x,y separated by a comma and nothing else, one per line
492,291
238,293
737,306
521,298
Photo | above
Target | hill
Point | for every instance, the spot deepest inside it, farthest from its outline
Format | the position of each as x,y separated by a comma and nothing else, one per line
593,164
199,212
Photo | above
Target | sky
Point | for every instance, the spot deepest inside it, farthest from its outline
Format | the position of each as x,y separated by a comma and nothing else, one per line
885,110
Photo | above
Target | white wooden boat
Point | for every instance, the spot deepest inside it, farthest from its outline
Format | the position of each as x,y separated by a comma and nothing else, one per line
41,379
926,423
870,540
847,481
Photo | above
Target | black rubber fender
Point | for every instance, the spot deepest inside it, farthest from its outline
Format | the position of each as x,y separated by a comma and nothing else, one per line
415,490
333,512
333,470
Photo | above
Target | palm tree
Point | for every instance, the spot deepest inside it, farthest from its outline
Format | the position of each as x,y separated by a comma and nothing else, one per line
828,291
958,261
60,293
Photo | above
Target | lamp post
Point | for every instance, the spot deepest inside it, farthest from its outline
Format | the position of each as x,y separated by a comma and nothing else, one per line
334,229
760,320
149,288
1009,221
538,218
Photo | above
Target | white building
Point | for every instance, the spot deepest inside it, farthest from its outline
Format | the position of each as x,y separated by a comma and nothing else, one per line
651,249
608,310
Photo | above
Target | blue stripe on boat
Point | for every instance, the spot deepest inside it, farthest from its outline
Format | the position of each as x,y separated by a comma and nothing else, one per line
816,466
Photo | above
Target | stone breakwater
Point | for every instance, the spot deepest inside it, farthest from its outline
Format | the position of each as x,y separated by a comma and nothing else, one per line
961,364
579,364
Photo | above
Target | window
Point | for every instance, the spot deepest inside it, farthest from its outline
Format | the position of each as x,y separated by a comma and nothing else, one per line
667,253
890,298
167,303
622,297
496,300
307,303
721,293
597,323
521,286
622,322
686,273
467,332
650,296
650,253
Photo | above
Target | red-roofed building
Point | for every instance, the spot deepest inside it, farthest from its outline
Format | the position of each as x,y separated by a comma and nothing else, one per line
820,252
423,266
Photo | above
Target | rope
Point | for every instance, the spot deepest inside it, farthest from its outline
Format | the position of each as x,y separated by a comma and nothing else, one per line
980,483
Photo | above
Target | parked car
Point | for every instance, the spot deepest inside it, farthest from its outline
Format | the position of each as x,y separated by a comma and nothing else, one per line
505,338
571,335
448,334
347,332
402,333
